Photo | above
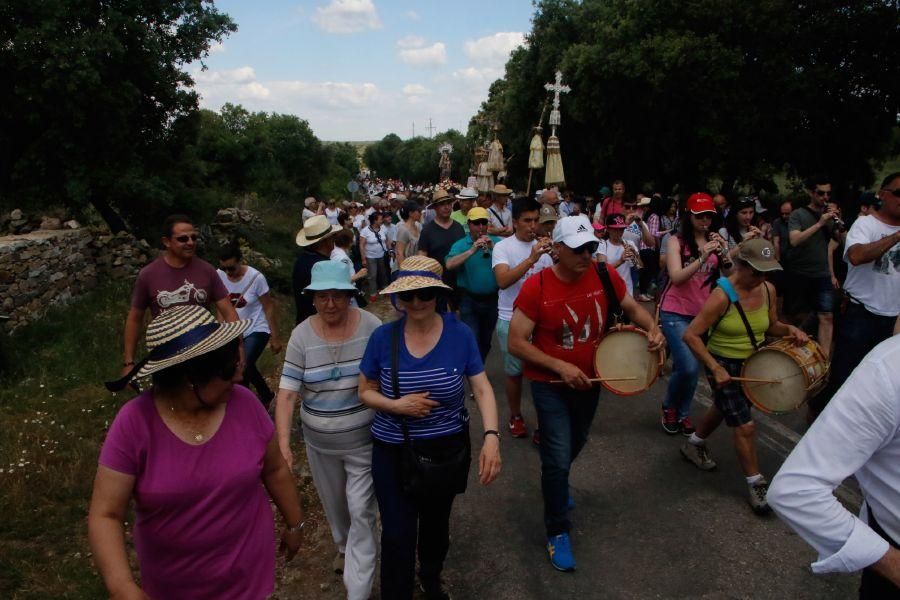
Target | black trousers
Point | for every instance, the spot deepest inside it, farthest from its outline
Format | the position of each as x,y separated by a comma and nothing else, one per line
873,586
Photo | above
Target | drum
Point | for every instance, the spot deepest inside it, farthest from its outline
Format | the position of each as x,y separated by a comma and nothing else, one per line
622,352
801,370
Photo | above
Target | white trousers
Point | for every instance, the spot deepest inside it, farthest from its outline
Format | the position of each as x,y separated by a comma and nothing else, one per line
344,483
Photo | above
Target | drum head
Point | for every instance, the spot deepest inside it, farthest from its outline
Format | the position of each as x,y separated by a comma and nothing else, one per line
775,398
624,353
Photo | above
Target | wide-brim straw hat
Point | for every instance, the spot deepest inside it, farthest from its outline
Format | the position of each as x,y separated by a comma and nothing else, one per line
316,229
439,196
177,335
501,190
417,272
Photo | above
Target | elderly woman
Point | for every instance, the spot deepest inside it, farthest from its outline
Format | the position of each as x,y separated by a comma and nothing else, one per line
732,339
197,454
412,374
321,367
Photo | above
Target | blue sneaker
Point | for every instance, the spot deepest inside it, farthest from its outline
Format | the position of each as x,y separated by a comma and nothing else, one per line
560,549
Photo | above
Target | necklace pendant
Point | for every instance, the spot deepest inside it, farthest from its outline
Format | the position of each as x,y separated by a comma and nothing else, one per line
198,437
335,373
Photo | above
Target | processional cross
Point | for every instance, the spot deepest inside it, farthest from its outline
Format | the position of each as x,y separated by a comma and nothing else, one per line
557,88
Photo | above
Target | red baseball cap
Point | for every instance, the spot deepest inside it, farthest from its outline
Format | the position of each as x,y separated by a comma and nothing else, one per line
701,202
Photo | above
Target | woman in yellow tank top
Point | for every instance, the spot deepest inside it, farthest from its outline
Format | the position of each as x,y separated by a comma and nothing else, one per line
730,342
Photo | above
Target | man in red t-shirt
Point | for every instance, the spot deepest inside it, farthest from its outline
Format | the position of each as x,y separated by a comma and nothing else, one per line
562,311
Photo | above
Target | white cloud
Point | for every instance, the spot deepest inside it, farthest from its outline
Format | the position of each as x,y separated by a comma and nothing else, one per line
347,16
415,89
493,50
216,48
412,15
411,41
429,56
476,76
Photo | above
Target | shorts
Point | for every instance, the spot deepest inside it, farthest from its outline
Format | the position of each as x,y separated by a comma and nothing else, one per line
808,294
512,366
730,398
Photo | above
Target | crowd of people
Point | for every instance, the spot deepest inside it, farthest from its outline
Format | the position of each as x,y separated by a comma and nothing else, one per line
383,406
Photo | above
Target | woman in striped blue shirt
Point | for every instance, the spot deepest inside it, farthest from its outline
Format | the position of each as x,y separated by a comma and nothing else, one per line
434,353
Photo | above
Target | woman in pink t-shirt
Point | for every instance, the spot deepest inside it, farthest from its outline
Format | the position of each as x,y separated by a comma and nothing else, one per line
693,265
197,454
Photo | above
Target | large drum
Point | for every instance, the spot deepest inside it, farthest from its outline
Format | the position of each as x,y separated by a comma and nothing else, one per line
622,354
800,372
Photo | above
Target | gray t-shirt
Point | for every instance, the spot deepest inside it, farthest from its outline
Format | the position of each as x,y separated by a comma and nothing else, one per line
810,259
404,236
327,375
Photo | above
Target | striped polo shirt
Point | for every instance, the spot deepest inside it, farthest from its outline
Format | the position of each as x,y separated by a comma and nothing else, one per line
327,377
441,372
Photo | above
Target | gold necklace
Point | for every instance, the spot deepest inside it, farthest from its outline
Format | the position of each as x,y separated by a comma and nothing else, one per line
195,434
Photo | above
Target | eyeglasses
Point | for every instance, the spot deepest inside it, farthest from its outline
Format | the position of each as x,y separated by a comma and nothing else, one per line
424,294
894,192
333,297
823,193
183,239
589,247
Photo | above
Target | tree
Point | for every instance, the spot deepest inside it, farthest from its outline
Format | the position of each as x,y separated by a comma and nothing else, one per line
416,159
97,98
675,94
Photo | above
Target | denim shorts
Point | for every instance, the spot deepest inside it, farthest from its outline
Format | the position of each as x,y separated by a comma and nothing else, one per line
808,294
512,366
730,398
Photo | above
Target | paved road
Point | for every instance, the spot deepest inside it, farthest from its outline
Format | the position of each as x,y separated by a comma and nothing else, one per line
647,523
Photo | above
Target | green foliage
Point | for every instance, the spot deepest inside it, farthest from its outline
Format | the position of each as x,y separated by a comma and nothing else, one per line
416,159
676,93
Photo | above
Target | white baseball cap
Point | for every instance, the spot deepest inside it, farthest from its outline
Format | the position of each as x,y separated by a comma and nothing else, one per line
574,231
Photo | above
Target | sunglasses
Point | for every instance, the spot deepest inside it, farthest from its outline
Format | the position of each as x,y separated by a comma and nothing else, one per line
822,193
183,239
894,192
479,222
589,247
424,294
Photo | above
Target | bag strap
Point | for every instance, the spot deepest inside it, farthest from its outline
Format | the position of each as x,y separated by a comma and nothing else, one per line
396,330
499,218
246,289
733,298
613,306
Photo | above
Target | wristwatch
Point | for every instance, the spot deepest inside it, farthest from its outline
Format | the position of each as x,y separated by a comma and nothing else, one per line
297,527
491,432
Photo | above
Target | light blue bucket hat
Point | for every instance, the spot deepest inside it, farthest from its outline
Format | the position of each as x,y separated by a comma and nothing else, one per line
330,275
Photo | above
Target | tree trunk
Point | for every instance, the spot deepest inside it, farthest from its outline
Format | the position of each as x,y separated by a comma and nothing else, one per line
110,216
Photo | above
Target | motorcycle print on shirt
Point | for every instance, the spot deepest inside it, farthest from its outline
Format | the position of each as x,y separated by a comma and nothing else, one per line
187,293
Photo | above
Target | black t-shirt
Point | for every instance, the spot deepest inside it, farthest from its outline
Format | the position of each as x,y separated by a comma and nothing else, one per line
436,241
302,277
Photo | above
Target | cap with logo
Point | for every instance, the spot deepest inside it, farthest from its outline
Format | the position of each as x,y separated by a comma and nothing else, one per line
615,221
574,231
548,214
758,253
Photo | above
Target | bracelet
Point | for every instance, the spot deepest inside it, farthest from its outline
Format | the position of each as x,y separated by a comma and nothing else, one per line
297,527
491,432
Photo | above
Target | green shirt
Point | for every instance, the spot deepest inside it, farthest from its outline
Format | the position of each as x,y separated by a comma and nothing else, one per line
475,274
460,218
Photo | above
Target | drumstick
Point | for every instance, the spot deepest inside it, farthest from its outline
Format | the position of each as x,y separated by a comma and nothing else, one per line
754,380
599,379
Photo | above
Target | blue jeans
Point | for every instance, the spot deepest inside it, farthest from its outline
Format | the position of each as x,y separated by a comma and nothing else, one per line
254,344
565,416
685,366
480,314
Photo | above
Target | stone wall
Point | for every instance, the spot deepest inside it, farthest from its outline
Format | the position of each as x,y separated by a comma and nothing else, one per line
46,267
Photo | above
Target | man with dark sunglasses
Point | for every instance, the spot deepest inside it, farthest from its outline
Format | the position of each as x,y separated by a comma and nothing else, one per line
470,257
810,290
872,289
175,278
559,316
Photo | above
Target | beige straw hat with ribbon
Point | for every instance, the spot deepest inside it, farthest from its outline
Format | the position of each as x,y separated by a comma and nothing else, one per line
316,229
178,335
417,272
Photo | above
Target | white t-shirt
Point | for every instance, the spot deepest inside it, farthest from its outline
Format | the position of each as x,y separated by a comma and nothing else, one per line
632,234
340,255
308,214
875,284
359,221
512,251
613,253
505,216
332,215
249,307
390,232
374,248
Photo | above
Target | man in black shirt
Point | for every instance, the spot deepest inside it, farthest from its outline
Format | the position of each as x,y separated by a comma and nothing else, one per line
440,234
316,242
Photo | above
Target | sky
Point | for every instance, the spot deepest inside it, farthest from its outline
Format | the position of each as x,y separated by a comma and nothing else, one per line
358,70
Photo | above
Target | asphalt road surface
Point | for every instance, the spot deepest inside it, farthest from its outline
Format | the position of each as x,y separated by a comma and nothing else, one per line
647,523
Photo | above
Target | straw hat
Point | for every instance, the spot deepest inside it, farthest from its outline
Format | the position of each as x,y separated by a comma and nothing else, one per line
316,229
501,190
177,335
417,272
439,196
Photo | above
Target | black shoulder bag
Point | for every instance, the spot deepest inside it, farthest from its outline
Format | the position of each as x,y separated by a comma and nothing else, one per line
613,307
424,471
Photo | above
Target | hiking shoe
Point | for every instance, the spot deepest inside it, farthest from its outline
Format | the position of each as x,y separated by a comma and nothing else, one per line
686,426
560,549
699,455
757,497
337,563
517,427
536,437
434,589
669,421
